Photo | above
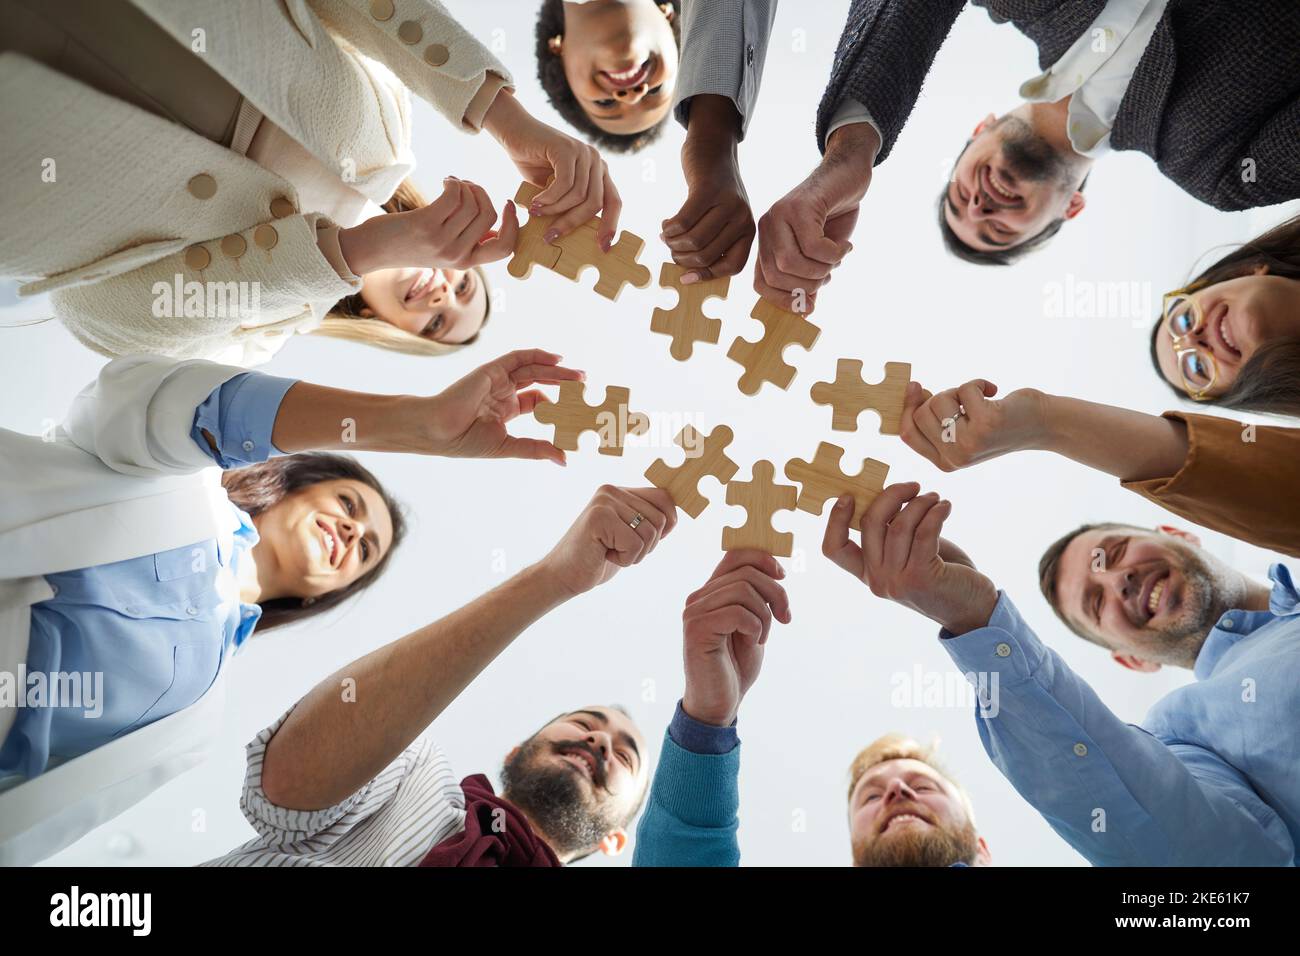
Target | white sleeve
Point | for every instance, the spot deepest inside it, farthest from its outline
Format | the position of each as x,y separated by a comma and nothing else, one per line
138,415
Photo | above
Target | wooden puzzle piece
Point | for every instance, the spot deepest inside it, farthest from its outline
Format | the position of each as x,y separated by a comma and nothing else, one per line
823,478
709,458
687,323
570,255
849,395
761,498
572,416
763,360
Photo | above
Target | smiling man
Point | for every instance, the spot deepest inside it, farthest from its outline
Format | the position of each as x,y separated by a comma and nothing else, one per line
905,811
349,777
1209,778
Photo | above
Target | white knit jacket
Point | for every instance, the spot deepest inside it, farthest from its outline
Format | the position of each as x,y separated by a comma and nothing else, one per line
103,203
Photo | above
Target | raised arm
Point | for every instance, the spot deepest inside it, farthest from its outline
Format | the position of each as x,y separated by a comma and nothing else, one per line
693,810
1217,472
356,721
1113,791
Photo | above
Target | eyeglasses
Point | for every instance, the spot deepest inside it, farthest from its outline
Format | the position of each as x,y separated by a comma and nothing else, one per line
1184,318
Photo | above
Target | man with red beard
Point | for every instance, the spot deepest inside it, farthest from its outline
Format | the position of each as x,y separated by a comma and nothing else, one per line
1210,777
905,811
348,778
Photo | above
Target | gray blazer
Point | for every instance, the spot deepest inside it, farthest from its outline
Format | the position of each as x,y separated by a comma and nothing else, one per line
724,45
1215,99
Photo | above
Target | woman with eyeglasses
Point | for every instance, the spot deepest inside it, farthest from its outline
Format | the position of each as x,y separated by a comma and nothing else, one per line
1231,337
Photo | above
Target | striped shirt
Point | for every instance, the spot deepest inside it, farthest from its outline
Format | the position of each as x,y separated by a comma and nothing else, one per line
394,820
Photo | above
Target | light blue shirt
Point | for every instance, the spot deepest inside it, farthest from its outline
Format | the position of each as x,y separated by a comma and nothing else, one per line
1211,779
156,628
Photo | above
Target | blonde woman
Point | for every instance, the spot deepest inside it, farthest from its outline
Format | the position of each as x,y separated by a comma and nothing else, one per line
207,180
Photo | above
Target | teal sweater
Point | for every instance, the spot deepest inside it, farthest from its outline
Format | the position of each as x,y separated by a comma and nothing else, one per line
692,813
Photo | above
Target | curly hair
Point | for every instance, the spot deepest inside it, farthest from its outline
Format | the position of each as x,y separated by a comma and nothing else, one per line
550,73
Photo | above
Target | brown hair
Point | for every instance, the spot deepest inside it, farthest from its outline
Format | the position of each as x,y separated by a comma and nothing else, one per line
550,73
1049,566
345,320
1269,382
258,487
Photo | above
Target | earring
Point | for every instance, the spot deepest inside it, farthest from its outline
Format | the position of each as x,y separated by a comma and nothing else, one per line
555,44
308,602
668,11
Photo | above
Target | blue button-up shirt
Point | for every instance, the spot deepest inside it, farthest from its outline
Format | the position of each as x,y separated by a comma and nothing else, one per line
1213,776
145,637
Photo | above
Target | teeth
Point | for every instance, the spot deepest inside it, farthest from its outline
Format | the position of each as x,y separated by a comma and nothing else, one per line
1223,330
1154,600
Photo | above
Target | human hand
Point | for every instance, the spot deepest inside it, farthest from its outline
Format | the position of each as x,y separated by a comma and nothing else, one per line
603,538
468,419
579,187
962,426
725,625
455,231
712,232
903,558
806,233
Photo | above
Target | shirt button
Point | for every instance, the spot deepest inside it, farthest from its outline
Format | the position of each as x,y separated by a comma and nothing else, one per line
54,589
191,610
281,207
1003,650
1080,750
234,246
410,33
197,258
381,9
435,54
1226,624
248,444
202,186
265,237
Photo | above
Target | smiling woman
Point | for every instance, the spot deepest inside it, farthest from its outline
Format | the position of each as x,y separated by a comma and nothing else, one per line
609,67
1231,337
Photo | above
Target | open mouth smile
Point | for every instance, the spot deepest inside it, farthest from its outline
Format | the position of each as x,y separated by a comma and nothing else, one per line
907,819
627,79
421,285
329,542
1000,193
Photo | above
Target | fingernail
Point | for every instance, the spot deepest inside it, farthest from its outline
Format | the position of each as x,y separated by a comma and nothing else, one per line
690,277
535,208
605,242
551,236
844,502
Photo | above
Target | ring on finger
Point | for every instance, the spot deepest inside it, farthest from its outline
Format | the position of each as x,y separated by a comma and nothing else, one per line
636,521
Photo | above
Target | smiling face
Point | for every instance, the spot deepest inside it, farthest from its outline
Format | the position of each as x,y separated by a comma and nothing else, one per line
443,305
1009,184
580,780
1150,597
903,812
1238,316
620,61
320,539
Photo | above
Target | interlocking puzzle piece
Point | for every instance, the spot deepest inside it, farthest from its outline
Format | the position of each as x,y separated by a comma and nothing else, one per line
761,498
687,323
572,416
710,459
571,254
823,478
763,360
849,395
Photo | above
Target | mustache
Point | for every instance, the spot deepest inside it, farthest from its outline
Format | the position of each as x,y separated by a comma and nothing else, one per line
598,775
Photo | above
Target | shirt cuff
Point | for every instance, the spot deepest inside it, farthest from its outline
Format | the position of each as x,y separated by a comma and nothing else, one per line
483,100
1005,646
689,734
240,417
327,241
850,111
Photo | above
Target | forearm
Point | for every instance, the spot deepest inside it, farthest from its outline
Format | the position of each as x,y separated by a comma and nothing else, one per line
1132,446
845,168
356,722
317,418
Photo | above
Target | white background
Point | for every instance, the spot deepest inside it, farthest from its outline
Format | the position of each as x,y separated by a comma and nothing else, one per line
827,682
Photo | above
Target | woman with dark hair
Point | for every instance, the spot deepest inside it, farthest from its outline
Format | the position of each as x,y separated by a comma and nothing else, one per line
1231,336
609,67
125,553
